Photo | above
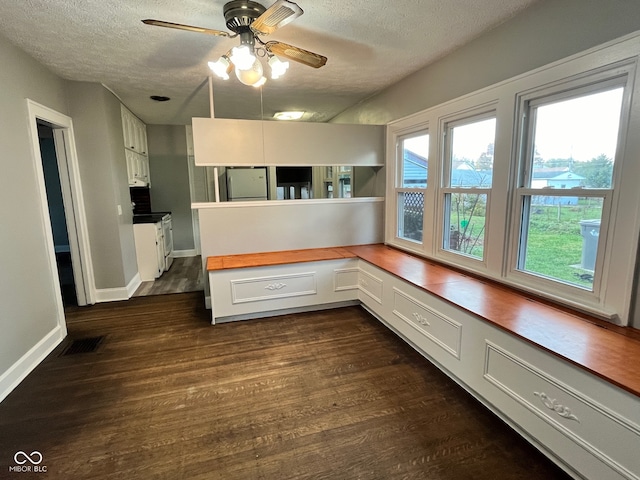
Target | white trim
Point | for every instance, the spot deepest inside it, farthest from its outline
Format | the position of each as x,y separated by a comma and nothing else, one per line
113,294
184,253
73,200
274,203
17,372
133,285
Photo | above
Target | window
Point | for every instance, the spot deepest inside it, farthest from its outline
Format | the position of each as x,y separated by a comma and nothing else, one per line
468,166
566,181
411,184
532,183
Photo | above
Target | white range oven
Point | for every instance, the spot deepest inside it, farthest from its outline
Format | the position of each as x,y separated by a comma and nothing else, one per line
167,233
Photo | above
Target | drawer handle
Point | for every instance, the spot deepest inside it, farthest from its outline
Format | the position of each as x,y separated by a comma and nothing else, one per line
364,282
552,404
422,320
275,286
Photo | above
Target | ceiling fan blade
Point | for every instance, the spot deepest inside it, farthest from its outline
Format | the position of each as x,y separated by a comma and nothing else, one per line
296,54
189,28
276,16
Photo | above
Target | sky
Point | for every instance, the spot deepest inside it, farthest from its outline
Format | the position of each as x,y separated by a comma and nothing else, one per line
580,128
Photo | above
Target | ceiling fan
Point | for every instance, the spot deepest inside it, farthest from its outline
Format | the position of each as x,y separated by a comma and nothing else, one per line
249,20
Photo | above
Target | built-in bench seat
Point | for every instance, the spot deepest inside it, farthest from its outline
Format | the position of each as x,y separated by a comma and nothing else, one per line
568,382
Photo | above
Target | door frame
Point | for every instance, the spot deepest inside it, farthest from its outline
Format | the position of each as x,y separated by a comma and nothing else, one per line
73,200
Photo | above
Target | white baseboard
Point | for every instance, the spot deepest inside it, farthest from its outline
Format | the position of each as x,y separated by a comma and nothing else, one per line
119,293
30,360
133,285
184,253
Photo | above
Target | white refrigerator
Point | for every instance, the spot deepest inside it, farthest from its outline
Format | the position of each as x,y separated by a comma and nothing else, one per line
244,184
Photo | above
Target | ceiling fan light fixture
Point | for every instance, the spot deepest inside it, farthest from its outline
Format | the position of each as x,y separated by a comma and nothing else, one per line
291,115
253,75
242,57
261,81
221,67
278,67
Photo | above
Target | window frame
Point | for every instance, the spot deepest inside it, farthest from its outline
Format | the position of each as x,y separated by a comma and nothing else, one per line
600,80
618,284
398,189
446,190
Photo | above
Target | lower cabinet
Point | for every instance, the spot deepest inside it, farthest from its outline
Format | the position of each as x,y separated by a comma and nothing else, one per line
588,426
243,293
149,243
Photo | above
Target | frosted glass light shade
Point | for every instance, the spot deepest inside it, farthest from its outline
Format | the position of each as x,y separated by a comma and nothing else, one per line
242,57
251,76
220,68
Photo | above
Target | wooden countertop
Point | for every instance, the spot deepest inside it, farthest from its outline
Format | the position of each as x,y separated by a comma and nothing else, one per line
605,350
247,260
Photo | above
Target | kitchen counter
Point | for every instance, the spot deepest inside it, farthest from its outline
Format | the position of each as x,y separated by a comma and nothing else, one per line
152,217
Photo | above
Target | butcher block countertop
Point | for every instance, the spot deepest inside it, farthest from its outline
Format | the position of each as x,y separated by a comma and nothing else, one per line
605,350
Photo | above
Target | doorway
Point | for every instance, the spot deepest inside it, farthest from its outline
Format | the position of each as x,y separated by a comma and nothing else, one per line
63,214
57,214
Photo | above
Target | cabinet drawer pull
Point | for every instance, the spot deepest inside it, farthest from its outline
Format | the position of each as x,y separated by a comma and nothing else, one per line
275,286
421,319
552,404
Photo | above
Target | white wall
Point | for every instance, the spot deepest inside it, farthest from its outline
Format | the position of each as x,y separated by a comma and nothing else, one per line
547,31
28,297
103,169
169,168
289,225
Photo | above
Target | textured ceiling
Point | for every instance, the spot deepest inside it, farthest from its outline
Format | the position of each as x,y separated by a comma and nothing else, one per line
370,45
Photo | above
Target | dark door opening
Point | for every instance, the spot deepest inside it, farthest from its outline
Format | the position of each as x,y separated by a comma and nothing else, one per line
57,214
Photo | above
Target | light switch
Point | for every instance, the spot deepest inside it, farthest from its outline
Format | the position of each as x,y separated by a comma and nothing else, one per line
119,209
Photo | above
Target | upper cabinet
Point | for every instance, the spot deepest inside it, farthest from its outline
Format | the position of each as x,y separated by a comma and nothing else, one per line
252,142
136,152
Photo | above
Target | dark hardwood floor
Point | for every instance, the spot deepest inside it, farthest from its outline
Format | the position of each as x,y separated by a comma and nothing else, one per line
185,275
324,395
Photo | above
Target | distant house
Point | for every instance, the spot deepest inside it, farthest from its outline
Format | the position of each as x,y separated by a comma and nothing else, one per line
414,170
559,178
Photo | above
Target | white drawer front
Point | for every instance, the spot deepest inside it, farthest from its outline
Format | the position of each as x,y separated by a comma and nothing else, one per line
608,436
443,331
371,285
277,286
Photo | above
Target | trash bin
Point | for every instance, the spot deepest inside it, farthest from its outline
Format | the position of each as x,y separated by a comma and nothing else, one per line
590,231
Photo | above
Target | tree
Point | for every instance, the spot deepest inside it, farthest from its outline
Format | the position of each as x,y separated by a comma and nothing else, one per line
597,172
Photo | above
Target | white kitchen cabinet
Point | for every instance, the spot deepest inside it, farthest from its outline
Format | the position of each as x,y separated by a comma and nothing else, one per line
224,142
134,131
135,144
137,169
149,243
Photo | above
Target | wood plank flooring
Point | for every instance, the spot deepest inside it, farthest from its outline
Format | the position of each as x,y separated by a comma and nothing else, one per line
322,395
184,275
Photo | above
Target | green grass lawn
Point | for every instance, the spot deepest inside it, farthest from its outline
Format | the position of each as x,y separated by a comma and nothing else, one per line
554,246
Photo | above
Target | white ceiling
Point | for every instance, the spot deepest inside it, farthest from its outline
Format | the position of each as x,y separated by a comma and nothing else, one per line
370,45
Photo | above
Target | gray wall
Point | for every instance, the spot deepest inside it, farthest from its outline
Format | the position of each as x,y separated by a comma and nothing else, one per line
168,164
103,170
28,302
546,32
